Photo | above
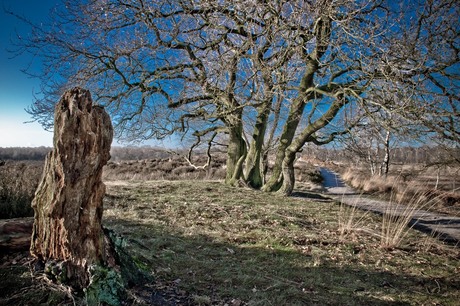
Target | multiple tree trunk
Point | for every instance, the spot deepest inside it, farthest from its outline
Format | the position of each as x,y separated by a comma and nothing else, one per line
282,178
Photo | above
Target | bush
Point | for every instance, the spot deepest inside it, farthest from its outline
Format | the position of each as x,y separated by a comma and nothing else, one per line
182,170
315,177
174,168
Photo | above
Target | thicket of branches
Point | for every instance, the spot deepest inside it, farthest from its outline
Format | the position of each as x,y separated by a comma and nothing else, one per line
258,77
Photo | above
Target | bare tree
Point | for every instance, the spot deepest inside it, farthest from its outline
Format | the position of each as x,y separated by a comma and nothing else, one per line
271,75
371,145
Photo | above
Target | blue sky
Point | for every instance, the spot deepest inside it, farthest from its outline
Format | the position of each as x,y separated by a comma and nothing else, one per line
16,88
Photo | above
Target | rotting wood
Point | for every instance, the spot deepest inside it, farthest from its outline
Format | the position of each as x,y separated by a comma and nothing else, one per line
68,202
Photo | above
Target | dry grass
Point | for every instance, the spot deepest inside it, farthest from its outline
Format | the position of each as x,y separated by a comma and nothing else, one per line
161,169
407,188
398,212
19,179
352,221
18,182
225,245
397,218
391,229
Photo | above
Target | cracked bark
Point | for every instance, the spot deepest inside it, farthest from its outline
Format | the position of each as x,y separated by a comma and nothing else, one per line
68,202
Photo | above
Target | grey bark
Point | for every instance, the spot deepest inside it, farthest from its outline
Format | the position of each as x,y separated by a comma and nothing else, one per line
236,153
254,169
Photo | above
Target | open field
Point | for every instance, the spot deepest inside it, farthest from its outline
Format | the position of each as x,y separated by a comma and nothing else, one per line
218,244
19,178
205,243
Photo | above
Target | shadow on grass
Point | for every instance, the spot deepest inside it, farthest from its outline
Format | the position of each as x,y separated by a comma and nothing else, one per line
310,195
216,272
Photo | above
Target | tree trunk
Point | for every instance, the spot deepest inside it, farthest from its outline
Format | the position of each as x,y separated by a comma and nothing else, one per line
307,135
295,114
254,171
271,136
276,179
68,202
370,158
236,154
385,167
288,174
323,34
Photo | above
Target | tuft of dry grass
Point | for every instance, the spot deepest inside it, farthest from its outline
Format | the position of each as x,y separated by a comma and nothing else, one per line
352,221
222,244
396,221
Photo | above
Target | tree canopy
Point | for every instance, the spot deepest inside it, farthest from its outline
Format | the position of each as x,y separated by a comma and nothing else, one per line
270,76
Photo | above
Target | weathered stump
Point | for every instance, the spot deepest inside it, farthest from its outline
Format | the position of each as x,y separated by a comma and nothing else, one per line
67,228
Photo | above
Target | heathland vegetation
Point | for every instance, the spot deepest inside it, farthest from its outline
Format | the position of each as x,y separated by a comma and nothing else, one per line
205,243
413,172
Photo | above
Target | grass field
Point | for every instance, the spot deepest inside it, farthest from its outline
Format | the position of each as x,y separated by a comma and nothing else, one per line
210,244
220,245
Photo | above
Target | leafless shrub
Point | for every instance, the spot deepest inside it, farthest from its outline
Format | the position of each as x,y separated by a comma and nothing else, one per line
167,166
173,168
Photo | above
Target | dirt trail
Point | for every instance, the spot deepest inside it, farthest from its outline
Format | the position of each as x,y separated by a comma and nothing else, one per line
445,227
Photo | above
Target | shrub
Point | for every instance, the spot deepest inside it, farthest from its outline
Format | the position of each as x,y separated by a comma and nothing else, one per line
182,170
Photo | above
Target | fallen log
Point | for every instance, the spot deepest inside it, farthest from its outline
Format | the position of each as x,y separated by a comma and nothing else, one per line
15,234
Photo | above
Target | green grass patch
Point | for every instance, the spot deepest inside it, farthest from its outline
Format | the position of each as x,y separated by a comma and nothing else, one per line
221,244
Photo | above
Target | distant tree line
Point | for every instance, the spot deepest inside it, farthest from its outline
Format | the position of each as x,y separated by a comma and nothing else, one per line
423,155
24,153
426,155
117,153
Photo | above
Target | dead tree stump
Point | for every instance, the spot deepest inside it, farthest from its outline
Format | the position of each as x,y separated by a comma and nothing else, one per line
67,228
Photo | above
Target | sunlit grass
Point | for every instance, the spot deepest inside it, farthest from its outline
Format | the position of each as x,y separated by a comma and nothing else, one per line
222,244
